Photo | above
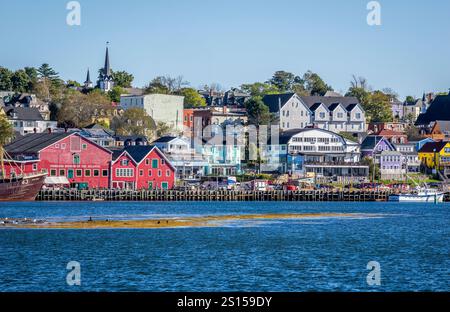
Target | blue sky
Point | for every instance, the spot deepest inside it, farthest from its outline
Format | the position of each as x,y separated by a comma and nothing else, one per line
236,41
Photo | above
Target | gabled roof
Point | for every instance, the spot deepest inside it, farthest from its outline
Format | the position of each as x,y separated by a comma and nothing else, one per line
34,142
349,102
371,141
431,146
23,113
139,152
275,101
316,106
439,110
165,139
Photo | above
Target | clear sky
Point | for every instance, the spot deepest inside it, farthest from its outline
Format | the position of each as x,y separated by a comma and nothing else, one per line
236,41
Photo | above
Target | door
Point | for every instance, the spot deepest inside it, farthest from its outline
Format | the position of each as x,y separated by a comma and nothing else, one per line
70,173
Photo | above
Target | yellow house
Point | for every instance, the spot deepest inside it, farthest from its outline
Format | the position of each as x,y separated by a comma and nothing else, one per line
435,155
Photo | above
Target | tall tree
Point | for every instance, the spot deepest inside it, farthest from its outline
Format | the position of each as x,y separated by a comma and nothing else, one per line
45,71
314,84
5,79
284,81
192,98
166,85
134,121
20,81
258,112
259,89
122,79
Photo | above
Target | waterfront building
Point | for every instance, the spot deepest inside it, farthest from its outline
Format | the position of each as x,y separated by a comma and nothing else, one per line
224,117
373,145
142,167
188,164
317,151
392,165
223,158
333,113
411,156
435,155
67,155
162,108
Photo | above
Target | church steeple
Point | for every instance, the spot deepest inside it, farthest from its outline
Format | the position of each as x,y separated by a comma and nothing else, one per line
106,82
88,82
107,68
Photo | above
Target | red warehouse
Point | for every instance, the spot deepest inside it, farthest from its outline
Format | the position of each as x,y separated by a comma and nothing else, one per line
82,162
142,167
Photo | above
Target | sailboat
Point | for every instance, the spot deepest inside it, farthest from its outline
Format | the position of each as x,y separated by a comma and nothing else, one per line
21,186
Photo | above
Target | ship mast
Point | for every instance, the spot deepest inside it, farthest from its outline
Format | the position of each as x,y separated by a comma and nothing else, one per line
2,164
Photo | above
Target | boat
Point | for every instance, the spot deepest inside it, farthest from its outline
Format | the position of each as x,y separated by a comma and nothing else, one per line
420,196
20,186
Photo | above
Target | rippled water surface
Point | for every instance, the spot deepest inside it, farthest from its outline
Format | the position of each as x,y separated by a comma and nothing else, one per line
410,241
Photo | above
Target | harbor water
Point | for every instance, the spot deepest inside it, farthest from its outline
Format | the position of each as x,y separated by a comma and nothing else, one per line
411,243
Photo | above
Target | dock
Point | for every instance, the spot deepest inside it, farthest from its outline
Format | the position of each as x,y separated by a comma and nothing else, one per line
213,196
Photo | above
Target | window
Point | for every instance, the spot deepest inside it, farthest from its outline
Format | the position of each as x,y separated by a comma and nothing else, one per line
70,173
150,173
358,115
96,173
164,185
53,173
155,163
79,173
76,159
147,161
56,145
163,161
63,145
84,146
124,172
340,115
167,173
35,167
322,115
87,172
62,173
104,173
141,173
124,162
159,173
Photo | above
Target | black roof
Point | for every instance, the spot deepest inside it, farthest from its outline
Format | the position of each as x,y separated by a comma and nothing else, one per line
34,142
370,142
349,102
23,113
273,101
165,139
439,110
138,152
431,146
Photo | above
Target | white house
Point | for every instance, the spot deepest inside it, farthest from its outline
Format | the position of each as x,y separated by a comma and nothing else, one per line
318,151
162,108
28,120
333,113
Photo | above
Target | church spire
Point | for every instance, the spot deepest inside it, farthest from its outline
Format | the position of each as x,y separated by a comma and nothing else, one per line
107,69
88,82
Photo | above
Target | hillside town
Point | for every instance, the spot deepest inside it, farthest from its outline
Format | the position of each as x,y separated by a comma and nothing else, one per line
289,132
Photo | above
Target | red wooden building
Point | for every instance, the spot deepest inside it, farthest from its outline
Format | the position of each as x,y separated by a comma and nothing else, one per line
142,167
82,162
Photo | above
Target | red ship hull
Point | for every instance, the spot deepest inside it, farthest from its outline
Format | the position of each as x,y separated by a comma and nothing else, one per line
21,189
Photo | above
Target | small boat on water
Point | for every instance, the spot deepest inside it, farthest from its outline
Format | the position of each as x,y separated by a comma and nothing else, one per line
420,196
18,186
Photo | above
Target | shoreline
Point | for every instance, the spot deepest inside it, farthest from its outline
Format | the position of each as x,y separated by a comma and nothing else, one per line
179,222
